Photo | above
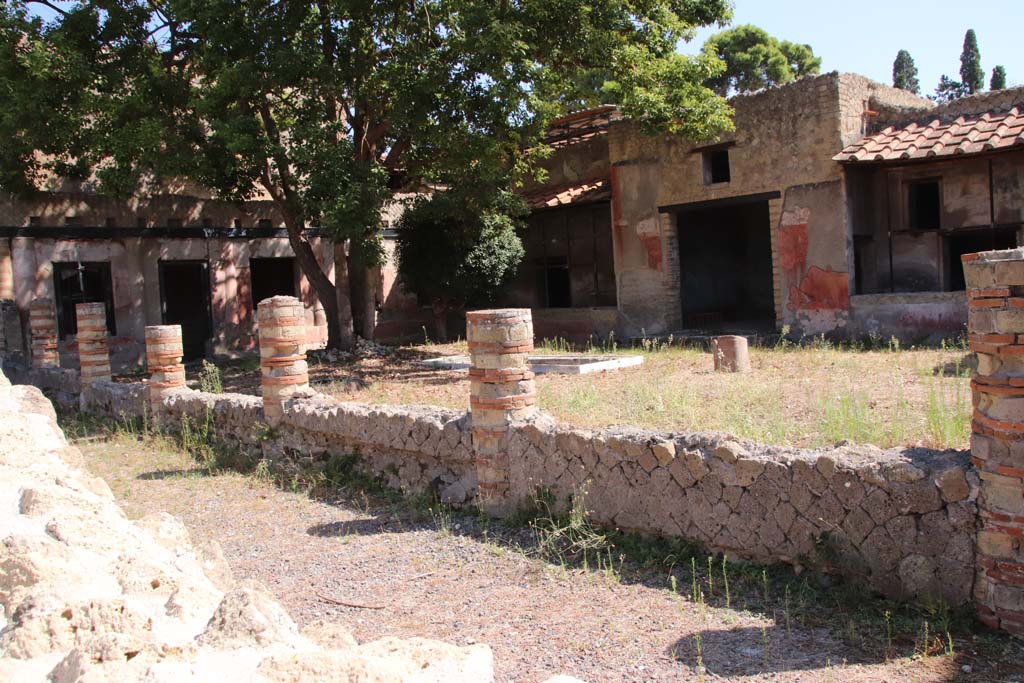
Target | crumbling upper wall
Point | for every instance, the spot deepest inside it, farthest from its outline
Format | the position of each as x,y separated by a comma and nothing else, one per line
52,209
860,95
896,113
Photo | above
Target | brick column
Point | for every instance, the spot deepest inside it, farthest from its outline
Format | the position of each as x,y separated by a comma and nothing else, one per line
501,390
42,325
163,361
282,327
93,348
995,291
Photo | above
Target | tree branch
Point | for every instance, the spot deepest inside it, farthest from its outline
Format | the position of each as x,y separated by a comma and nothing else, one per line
50,5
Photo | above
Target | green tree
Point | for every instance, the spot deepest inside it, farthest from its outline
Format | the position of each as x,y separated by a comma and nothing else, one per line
453,250
755,60
971,74
949,90
904,73
998,81
328,106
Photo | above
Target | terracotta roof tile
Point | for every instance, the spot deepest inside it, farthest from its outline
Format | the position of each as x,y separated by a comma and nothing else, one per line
583,192
964,135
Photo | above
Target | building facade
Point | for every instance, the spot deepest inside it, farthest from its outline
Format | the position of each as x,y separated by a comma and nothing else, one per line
838,206
166,259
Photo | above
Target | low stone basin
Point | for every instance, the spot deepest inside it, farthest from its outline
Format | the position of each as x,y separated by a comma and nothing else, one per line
560,364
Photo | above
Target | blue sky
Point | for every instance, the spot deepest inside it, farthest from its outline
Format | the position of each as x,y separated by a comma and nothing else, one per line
865,37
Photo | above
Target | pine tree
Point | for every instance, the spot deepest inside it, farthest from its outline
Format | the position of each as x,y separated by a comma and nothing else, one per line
998,81
971,73
904,73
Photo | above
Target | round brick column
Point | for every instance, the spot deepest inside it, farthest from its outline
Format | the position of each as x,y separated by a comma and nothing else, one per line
42,325
282,327
995,293
731,353
501,390
93,347
163,361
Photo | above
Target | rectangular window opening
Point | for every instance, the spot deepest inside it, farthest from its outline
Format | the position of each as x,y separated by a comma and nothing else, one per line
924,205
716,166
78,283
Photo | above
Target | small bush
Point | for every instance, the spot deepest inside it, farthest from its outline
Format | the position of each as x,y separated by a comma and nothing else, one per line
210,380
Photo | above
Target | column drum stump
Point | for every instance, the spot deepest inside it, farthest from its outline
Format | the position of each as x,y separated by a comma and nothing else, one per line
164,352
731,353
282,328
501,390
93,347
42,325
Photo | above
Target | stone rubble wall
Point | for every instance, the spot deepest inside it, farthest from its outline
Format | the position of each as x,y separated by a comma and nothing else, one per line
88,595
904,520
411,448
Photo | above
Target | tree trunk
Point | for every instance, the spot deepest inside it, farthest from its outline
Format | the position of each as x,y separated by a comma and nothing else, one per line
339,328
344,297
440,322
369,302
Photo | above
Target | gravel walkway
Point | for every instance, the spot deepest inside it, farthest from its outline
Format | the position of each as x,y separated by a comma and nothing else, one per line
448,581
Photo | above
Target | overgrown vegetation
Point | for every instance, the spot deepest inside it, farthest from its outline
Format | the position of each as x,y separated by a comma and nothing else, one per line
210,380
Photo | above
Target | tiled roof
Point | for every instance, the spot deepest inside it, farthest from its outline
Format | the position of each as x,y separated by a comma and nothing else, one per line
584,192
938,138
581,125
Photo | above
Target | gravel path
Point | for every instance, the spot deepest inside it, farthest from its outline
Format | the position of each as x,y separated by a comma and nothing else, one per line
448,581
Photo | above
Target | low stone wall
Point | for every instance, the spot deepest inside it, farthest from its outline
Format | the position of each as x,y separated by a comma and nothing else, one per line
915,317
903,520
61,385
411,448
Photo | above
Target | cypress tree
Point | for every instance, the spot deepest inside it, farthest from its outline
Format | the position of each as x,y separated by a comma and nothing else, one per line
998,81
904,73
971,73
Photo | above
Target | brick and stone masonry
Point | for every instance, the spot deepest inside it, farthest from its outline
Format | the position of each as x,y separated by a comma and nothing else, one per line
731,353
42,325
282,327
995,291
501,391
163,361
93,346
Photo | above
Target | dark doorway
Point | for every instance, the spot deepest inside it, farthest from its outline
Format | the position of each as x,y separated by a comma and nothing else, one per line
726,266
77,283
971,241
185,301
271,277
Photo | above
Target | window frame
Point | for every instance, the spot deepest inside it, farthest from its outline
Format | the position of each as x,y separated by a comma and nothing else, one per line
67,323
908,213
